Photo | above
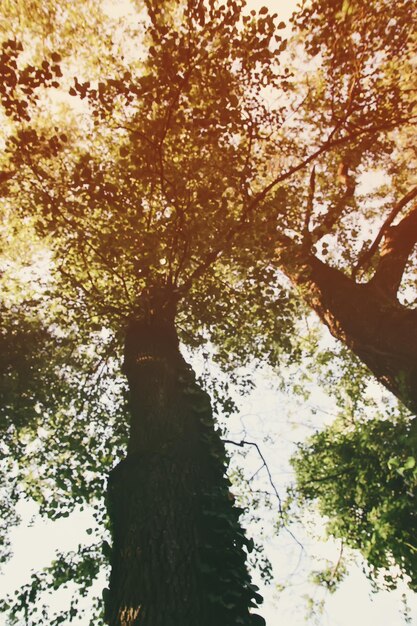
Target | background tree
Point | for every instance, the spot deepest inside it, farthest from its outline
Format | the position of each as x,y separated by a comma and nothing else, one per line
351,244
364,481
351,255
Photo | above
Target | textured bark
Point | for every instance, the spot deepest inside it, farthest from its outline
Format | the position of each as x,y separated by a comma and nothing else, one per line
367,318
177,556
397,247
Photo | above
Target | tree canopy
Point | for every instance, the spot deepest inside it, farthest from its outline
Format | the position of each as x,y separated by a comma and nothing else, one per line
364,479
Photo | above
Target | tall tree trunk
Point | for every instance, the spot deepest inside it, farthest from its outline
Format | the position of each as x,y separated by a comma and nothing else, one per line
366,318
177,556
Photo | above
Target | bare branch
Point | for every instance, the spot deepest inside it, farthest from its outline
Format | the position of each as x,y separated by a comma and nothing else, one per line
243,443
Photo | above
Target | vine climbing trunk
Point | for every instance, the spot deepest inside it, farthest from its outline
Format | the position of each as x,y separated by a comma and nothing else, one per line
178,555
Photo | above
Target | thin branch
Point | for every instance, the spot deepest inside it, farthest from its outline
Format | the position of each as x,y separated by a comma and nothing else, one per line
333,214
339,560
327,477
106,308
246,162
309,209
107,266
241,444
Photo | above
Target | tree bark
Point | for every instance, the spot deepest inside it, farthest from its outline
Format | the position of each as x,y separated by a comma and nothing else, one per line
177,556
366,318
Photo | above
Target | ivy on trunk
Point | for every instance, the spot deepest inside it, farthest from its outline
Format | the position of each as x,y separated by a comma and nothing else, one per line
178,552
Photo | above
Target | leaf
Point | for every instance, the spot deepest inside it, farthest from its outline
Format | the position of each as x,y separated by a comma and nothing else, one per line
409,463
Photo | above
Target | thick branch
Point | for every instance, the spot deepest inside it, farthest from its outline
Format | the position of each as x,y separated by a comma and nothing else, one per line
6,175
376,327
398,244
366,257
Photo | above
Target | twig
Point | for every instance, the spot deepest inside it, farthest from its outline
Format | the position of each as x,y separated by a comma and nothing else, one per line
339,560
241,444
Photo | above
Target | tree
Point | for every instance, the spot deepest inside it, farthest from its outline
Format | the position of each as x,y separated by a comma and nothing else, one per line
364,480
362,95
362,285
153,194
137,201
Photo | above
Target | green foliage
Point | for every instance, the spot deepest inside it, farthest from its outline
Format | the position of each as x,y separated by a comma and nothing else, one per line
329,577
63,409
363,477
80,568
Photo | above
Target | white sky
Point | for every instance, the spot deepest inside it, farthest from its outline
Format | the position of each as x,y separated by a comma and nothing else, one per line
264,413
